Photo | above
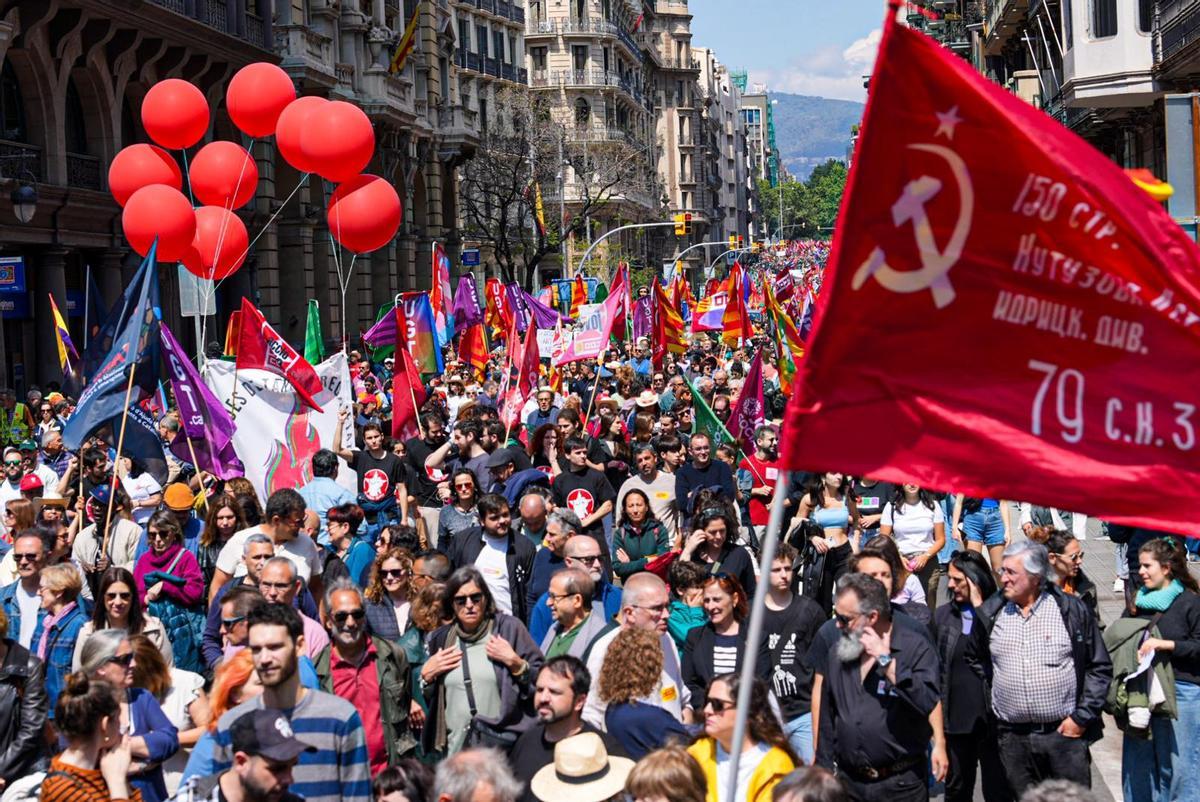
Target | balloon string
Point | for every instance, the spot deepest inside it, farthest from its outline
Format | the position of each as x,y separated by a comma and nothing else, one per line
270,220
229,209
187,173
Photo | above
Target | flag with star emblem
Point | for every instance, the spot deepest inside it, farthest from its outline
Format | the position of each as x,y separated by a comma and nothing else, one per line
1028,308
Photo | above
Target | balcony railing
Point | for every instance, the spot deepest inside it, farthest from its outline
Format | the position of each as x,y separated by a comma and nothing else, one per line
460,58
1179,22
504,9
523,76
492,67
83,171
508,72
600,133
539,78
19,160
474,62
486,5
220,15
671,63
541,27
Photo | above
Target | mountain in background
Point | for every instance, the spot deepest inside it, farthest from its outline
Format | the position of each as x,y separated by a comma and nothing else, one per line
809,130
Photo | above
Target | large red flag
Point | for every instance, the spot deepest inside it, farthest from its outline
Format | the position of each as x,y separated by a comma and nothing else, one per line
261,348
668,328
408,392
1026,307
526,381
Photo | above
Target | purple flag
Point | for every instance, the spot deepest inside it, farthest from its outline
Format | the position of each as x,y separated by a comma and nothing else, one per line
467,311
382,333
544,316
516,301
204,421
643,317
748,411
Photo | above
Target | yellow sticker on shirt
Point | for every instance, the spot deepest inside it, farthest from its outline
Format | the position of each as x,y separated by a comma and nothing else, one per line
662,494
669,693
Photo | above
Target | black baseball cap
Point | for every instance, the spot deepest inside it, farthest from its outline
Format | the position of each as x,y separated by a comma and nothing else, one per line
501,457
269,734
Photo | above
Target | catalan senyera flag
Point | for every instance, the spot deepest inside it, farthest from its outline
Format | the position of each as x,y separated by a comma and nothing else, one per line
735,323
668,328
407,42
68,357
787,371
578,295
472,349
539,209
232,332
786,332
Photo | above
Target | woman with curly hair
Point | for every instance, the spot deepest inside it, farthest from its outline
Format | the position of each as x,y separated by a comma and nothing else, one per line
629,676
764,747
388,605
224,518
667,773
426,617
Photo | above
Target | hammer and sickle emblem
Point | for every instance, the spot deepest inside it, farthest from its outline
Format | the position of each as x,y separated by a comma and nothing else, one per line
935,263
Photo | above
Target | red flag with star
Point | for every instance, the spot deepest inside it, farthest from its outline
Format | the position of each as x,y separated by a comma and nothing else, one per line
1027,308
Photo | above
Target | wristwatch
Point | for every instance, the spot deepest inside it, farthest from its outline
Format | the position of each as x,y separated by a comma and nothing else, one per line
884,660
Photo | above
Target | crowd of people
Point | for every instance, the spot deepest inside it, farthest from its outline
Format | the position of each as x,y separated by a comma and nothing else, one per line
559,608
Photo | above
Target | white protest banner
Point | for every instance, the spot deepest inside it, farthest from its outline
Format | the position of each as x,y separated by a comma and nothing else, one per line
545,341
276,433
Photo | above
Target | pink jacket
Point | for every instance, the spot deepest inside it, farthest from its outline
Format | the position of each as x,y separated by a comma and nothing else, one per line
187,594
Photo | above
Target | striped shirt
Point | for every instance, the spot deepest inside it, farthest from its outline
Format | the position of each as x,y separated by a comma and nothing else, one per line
66,783
338,771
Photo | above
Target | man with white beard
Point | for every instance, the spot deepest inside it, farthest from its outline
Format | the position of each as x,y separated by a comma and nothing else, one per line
881,684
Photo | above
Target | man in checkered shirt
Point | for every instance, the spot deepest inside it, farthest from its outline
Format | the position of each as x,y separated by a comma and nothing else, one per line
1050,672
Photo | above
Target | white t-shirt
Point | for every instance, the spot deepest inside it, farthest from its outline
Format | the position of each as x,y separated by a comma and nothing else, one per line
300,550
28,604
492,563
912,529
140,489
746,767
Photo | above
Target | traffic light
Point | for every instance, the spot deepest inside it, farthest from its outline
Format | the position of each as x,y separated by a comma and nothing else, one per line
733,241
757,247
681,224
741,241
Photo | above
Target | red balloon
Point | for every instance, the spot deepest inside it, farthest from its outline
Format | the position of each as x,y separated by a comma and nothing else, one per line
175,113
364,213
140,166
220,243
163,212
224,174
257,94
339,141
291,125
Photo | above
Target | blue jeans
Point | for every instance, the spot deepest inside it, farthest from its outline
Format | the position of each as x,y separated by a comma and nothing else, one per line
800,735
984,526
1167,765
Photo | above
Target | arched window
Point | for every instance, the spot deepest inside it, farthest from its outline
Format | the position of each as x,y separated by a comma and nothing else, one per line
583,112
75,128
12,110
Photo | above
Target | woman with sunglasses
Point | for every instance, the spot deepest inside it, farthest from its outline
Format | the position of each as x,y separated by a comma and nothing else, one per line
47,421
496,653
171,586
1066,558
223,520
18,517
352,556
120,607
460,514
389,608
766,756
108,657
718,646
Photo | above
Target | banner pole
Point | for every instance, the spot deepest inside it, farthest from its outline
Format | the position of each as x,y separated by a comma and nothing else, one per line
117,461
754,635
595,386
199,473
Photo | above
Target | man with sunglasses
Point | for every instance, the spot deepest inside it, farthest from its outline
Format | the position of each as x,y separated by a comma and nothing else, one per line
370,673
20,599
581,552
10,488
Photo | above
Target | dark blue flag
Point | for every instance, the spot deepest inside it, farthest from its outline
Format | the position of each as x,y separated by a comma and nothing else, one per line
130,337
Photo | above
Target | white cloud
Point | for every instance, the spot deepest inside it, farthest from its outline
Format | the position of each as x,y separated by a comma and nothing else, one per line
826,72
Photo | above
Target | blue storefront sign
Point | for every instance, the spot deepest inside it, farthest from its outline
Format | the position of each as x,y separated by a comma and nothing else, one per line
15,306
12,274
470,257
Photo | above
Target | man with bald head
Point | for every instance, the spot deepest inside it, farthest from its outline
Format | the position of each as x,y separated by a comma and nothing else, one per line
533,509
645,604
582,552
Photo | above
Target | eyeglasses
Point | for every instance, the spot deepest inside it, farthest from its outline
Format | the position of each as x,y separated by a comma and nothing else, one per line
342,616
26,557
117,595
124,660
230,623
474,599
554,597
158,535
587,558
8,513
464,485
844,621
657,609
12,462
719,705
394,573
1075,558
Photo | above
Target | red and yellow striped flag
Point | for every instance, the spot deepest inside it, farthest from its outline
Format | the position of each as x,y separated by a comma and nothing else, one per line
407,42
668,328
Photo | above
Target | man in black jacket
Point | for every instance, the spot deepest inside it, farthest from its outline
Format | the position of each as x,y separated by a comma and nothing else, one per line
1050,672
505,560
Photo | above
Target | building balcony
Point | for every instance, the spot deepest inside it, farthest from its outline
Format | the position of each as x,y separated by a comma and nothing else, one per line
600,133
474,62
1179,25
84,172
1003,19
309,54
1113,72
227,17
508,72
491,66
535,28
19,160
458,126
680,64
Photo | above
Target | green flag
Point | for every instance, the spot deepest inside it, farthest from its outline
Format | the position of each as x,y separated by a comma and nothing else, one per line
705,420
314,343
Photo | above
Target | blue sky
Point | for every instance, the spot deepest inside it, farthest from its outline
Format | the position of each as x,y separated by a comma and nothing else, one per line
808,47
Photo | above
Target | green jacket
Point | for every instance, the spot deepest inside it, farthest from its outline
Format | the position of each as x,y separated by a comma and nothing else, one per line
1122,638
392,670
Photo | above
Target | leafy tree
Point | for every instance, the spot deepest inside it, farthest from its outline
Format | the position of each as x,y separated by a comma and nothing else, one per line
809,208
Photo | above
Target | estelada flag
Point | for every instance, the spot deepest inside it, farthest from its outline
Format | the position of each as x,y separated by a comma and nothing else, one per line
1027,309
408,391
261,348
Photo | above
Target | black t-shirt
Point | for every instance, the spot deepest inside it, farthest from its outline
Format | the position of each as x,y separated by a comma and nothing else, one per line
532,752
583,494
871,500
426,479
377,478
596,454
789,634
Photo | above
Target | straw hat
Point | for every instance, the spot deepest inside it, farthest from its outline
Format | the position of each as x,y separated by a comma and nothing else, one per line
582,771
